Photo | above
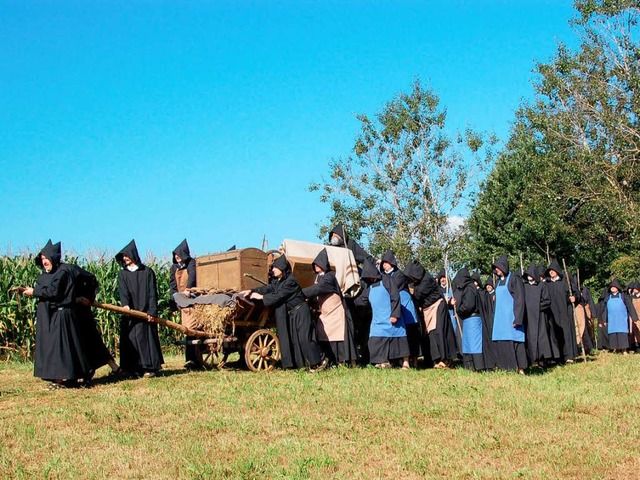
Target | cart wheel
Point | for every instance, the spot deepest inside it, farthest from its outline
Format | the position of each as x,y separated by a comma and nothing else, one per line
209,357
262,350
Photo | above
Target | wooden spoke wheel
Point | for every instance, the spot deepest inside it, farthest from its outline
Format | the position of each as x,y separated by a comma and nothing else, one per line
262,351
209,356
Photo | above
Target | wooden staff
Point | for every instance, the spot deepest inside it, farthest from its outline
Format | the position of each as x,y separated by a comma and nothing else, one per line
133,313
575,327
143,316
450,287
493,272
521,264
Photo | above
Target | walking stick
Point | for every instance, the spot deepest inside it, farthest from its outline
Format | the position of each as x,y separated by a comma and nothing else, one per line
575,326
450,287
521,264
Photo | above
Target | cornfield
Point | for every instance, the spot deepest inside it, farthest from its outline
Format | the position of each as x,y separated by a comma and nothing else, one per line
17,314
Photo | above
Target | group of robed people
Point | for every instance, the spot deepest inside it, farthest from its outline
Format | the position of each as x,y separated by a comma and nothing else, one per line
69,347
536,317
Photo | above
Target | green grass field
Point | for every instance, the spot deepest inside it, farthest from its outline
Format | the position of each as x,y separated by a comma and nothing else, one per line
579,421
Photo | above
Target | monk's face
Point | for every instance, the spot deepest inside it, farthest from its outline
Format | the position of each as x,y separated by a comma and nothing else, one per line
177,258
276,272
317,269
553,274
614,290
46,263
127,261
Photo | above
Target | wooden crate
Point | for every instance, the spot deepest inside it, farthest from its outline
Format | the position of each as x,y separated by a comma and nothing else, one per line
226,270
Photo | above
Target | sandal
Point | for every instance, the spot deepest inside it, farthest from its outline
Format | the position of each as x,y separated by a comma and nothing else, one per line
383,365
55,386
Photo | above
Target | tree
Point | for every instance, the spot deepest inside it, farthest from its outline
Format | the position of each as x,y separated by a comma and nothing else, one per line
405,178
569,177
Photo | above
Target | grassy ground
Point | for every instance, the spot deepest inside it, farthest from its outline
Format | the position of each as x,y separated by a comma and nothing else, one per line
578,421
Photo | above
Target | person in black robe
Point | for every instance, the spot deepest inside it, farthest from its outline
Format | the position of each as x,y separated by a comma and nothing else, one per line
360,314
438,339
85,291
475,336
537,303
326,294
508,334
634,338
585,303
182,276
295,327
617,310
59,354
562,322
603,337
446,291
140,351
389,266
338,238
489,300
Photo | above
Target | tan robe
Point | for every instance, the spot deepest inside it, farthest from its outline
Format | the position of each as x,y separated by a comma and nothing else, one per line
635,326
581,322
186,314
431,316
331,325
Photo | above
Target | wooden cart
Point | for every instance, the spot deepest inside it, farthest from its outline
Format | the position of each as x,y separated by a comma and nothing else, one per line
252,333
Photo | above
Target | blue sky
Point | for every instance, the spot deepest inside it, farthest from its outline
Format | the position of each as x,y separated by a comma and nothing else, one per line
160,120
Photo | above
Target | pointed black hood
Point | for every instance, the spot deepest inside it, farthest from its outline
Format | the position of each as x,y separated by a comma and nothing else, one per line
390,258
489,282
182,251
131,251
283,264
322,260
414,271
441,274
51,251
476,276
503,264
555,266
462,278
532,272
370,272
339,229
615,283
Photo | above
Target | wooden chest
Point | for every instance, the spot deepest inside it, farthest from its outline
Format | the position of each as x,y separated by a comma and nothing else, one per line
226,270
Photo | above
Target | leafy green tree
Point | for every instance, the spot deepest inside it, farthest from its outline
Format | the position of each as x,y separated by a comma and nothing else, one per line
405,178
568,179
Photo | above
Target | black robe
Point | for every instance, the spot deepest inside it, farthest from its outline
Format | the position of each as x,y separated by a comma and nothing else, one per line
439,344
562,322
468,304
537,303
59,354
359,253
326,284
140,349
617,341
86,285
295,327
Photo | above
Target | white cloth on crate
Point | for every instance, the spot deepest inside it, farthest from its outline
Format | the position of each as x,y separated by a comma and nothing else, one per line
340,258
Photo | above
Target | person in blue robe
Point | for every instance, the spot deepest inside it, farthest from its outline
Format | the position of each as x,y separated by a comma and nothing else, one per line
617,311
389,266
387,335
508,334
